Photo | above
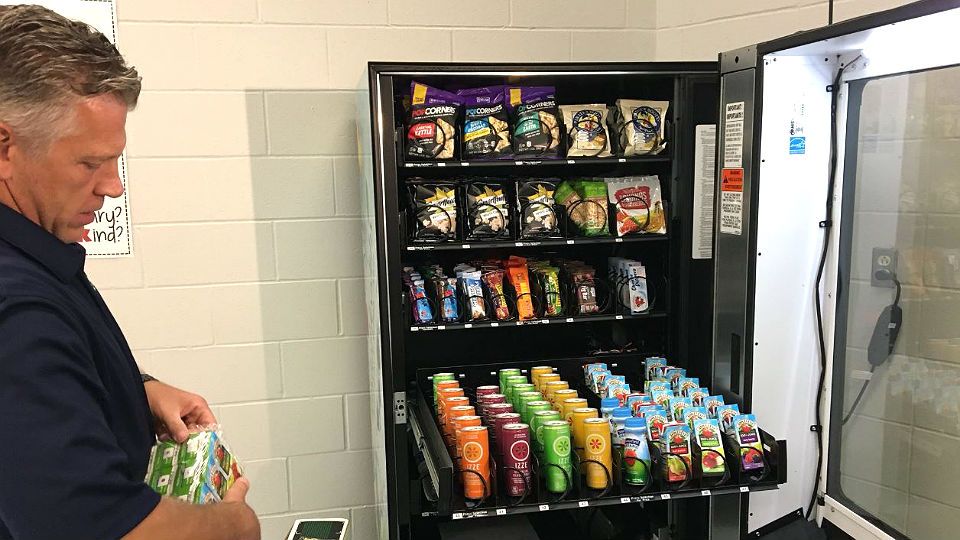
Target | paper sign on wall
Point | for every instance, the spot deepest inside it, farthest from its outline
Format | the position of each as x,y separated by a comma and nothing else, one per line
731,201
109,234
704,179
733,135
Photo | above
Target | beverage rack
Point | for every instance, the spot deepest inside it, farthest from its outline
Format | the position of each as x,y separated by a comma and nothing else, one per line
422,485
442,483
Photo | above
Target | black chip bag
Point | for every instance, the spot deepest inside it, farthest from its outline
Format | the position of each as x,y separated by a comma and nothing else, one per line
432,123
538,208
486,131
434,208
535,121
487,210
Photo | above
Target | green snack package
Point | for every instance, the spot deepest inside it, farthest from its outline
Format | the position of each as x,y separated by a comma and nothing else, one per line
594,221
199,471
162,467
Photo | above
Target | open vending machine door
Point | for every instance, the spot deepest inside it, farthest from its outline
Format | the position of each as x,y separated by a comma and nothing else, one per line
837,296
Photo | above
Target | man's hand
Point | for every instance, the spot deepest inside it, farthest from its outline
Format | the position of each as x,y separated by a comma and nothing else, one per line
175,411
231,519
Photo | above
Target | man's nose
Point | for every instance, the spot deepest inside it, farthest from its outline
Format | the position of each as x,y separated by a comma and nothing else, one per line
110,185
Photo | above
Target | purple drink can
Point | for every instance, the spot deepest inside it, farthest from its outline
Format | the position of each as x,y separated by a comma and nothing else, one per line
490,399
486,390
515,450
499,421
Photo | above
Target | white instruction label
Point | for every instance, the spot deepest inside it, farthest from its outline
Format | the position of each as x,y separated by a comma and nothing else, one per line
704,176
733,135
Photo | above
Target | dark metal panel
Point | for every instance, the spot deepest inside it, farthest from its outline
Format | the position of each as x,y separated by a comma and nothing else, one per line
738,59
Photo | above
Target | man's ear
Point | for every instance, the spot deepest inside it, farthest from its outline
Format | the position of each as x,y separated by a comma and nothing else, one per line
7,139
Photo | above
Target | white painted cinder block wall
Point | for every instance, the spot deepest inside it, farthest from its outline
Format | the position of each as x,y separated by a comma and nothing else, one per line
245,193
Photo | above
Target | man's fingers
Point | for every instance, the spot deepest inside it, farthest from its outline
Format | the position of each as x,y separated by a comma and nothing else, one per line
237,492
175,426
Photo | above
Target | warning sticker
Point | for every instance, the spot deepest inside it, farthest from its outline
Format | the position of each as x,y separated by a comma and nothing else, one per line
733,135
731,201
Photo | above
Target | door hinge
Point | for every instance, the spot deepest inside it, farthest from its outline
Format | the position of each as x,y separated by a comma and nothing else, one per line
399,407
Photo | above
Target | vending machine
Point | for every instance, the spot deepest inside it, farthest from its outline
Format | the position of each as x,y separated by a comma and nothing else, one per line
606,298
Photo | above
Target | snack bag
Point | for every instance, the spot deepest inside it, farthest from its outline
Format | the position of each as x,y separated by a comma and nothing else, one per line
519,278
641,126
707,433
698,395
493,281
651,365
422,312
712,403
692,414
677,406
487,210
431,124
676,438
486,132
655,419
639,205
471,285
726,414
748,437
535,121
434,208
593,220
587,130
202,469
538,209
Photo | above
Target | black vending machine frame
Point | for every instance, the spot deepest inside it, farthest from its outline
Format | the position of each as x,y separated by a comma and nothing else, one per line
689,291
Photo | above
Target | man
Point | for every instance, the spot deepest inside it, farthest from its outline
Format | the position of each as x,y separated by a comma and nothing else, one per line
77,419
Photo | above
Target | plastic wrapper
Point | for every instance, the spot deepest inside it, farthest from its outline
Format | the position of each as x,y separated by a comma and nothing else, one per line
538,213
493,281
520,280
640,124
638,204
489,214
472,288
586,130
434,208
535,121
586,205
200,470
432,123
486,130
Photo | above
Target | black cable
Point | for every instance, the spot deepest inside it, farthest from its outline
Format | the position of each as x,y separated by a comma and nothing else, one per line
830,12
859,397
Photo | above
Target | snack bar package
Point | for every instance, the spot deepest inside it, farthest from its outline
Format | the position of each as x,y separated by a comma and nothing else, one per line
586,205
487,210
432,123
199,471
641,124
434,208
486,132
535,121
538,209
587,130
519,278
471,286
419,299
630,279
638,203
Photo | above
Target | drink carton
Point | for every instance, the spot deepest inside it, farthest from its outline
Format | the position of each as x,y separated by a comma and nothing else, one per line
676,438
748,437
707,434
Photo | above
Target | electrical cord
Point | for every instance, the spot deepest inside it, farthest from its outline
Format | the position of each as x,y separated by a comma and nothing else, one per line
859,397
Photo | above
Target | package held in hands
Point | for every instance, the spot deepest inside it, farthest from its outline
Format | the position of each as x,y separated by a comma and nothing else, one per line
198,471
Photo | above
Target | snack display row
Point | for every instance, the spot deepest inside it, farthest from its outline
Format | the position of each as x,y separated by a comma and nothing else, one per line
500,122
680,420
199,471
518,288
497,209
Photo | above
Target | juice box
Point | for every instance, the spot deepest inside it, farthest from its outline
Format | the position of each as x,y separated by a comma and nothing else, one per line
674,374
698,396
692,414
621,392
726,414
597,378
656,419
712,403
643,410
199,471
611,381
748,437
677,405
686,384
707,434
650,387
653,367
676,439
662,397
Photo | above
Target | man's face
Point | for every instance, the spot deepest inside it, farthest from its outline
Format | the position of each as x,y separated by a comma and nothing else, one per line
61,188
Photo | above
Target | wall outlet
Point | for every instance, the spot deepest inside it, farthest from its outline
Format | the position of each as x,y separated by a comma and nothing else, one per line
883,259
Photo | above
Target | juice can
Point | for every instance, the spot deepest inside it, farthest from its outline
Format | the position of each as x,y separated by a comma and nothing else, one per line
476,458
533,407
560,395
504,373
459,423
512,380
449,434
568,405
520,389
489,399
525,398
439,386
440,377
552,386
515,449
499,421
547,378
576,427
557,468
536,372
452,401
442,395
597,447
536,428
487,390
494,409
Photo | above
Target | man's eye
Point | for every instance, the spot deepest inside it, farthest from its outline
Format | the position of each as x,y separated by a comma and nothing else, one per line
91,166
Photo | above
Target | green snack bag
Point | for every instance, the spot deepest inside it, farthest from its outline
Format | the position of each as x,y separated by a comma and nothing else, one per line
594,222
707,433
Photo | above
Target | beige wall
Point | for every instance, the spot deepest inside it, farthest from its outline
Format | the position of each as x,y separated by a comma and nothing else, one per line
245,194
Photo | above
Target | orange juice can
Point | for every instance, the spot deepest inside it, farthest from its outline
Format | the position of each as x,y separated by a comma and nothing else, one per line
550,387
475,462
560,395
449,435
547,378
443,394
459,423
567,407
577,417
536,372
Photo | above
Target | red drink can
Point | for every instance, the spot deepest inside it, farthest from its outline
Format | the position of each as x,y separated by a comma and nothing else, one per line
489,399
515,450
499,421
487,390
494,409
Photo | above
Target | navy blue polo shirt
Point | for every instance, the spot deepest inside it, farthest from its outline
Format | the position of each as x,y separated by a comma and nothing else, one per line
75,426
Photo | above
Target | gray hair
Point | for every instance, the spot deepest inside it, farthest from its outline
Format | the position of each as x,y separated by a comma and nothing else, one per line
47,64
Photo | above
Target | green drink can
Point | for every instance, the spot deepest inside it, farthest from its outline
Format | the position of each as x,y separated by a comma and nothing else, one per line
504,373
534,406
507,390
523,398
557,466
538,418
438,377
519,389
